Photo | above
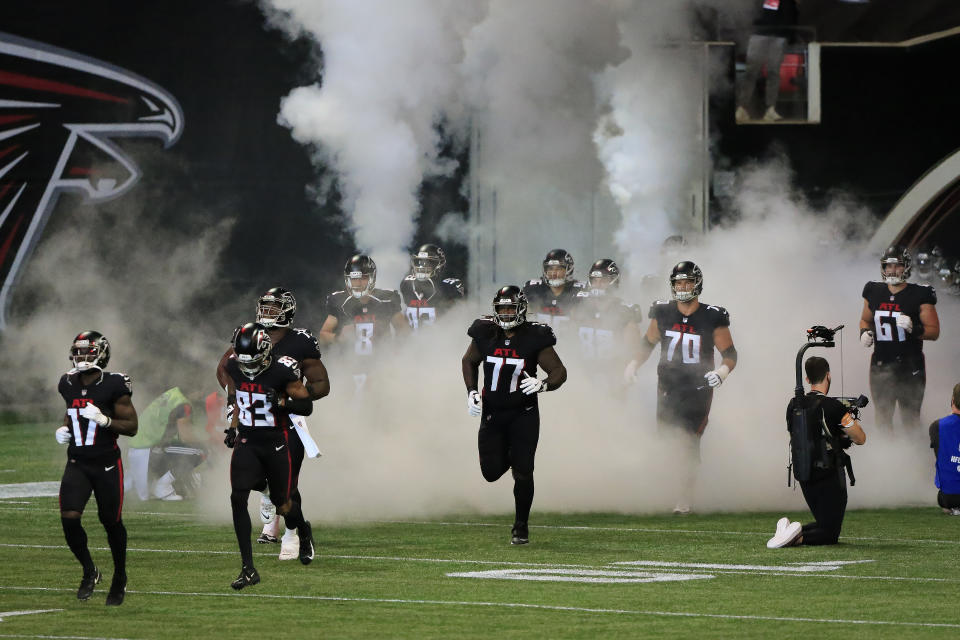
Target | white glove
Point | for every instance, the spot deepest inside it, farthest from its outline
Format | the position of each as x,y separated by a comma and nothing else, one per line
866,339
532,384
473,403
716,377
91,412
904,322
63,435
630,373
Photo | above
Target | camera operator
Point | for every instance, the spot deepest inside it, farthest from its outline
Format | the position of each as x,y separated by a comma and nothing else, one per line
826,489
945,442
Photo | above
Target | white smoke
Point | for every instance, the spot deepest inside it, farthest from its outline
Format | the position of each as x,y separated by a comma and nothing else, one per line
572,97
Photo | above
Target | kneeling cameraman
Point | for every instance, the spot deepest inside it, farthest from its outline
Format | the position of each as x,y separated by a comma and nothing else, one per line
826,489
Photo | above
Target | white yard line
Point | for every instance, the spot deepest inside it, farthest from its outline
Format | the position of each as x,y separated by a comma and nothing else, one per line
784,571
523,605
17,635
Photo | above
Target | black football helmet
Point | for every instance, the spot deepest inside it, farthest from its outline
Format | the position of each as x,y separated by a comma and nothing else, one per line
510,307
276,308
253,346
924,265
558,258
428,262
603,270
90,350
892,256
357,268
686,270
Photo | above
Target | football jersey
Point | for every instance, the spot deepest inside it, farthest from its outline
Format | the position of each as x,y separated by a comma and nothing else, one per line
600,321
425,300
892,342
298,344
90,441
369,319
548,308
254,411
686,342
505,359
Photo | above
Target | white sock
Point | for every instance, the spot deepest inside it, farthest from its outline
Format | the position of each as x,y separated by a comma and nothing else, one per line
289,534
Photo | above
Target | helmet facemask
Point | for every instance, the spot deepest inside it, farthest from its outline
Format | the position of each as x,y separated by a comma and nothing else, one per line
424,266
683,296
355,284
510,309
276,309
89,350
890,275
558,268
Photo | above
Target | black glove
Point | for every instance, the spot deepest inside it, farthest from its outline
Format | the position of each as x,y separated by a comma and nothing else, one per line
231,438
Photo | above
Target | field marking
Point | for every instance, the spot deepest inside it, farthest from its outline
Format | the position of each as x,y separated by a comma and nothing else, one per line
521,605
10,614
651,530
175,514
30,490
786,571
17,635
580,575
798,566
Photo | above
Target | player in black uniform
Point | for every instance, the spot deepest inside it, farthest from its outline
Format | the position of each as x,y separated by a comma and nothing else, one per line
275,311
425,292
98,410
605,325
897,316
362,318
264,390
510,350
687,332
553,297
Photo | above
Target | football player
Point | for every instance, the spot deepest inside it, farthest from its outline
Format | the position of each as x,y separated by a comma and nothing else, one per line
425,292
510,349
604,323
98,410
264,390
275,311
897,316
361,317
553,296
687,331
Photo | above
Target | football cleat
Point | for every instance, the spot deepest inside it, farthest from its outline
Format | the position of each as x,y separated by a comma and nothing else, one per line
118,589
519,534
268,510
90,579
306,543
682,509
247,578
266,538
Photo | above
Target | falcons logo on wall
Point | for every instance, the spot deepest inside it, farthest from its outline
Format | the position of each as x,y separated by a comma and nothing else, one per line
59,114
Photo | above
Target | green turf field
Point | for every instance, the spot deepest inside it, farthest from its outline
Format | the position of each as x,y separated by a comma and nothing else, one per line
895,575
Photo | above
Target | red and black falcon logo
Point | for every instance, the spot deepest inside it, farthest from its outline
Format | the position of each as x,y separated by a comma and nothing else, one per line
59,112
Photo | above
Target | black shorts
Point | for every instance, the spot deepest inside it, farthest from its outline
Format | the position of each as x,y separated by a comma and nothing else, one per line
508,439
263,459
104,481
683,407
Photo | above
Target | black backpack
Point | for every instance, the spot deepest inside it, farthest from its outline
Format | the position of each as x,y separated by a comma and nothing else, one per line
809,448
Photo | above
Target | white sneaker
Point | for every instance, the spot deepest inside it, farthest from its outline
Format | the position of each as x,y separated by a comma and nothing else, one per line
782,524
771,115
268,511
682,509
955,512
742,115
289,547
787,537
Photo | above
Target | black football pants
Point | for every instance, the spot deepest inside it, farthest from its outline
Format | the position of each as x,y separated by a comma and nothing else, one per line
508,440
898,382
827,499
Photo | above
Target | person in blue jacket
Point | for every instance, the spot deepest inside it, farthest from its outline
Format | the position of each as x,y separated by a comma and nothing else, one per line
945,442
